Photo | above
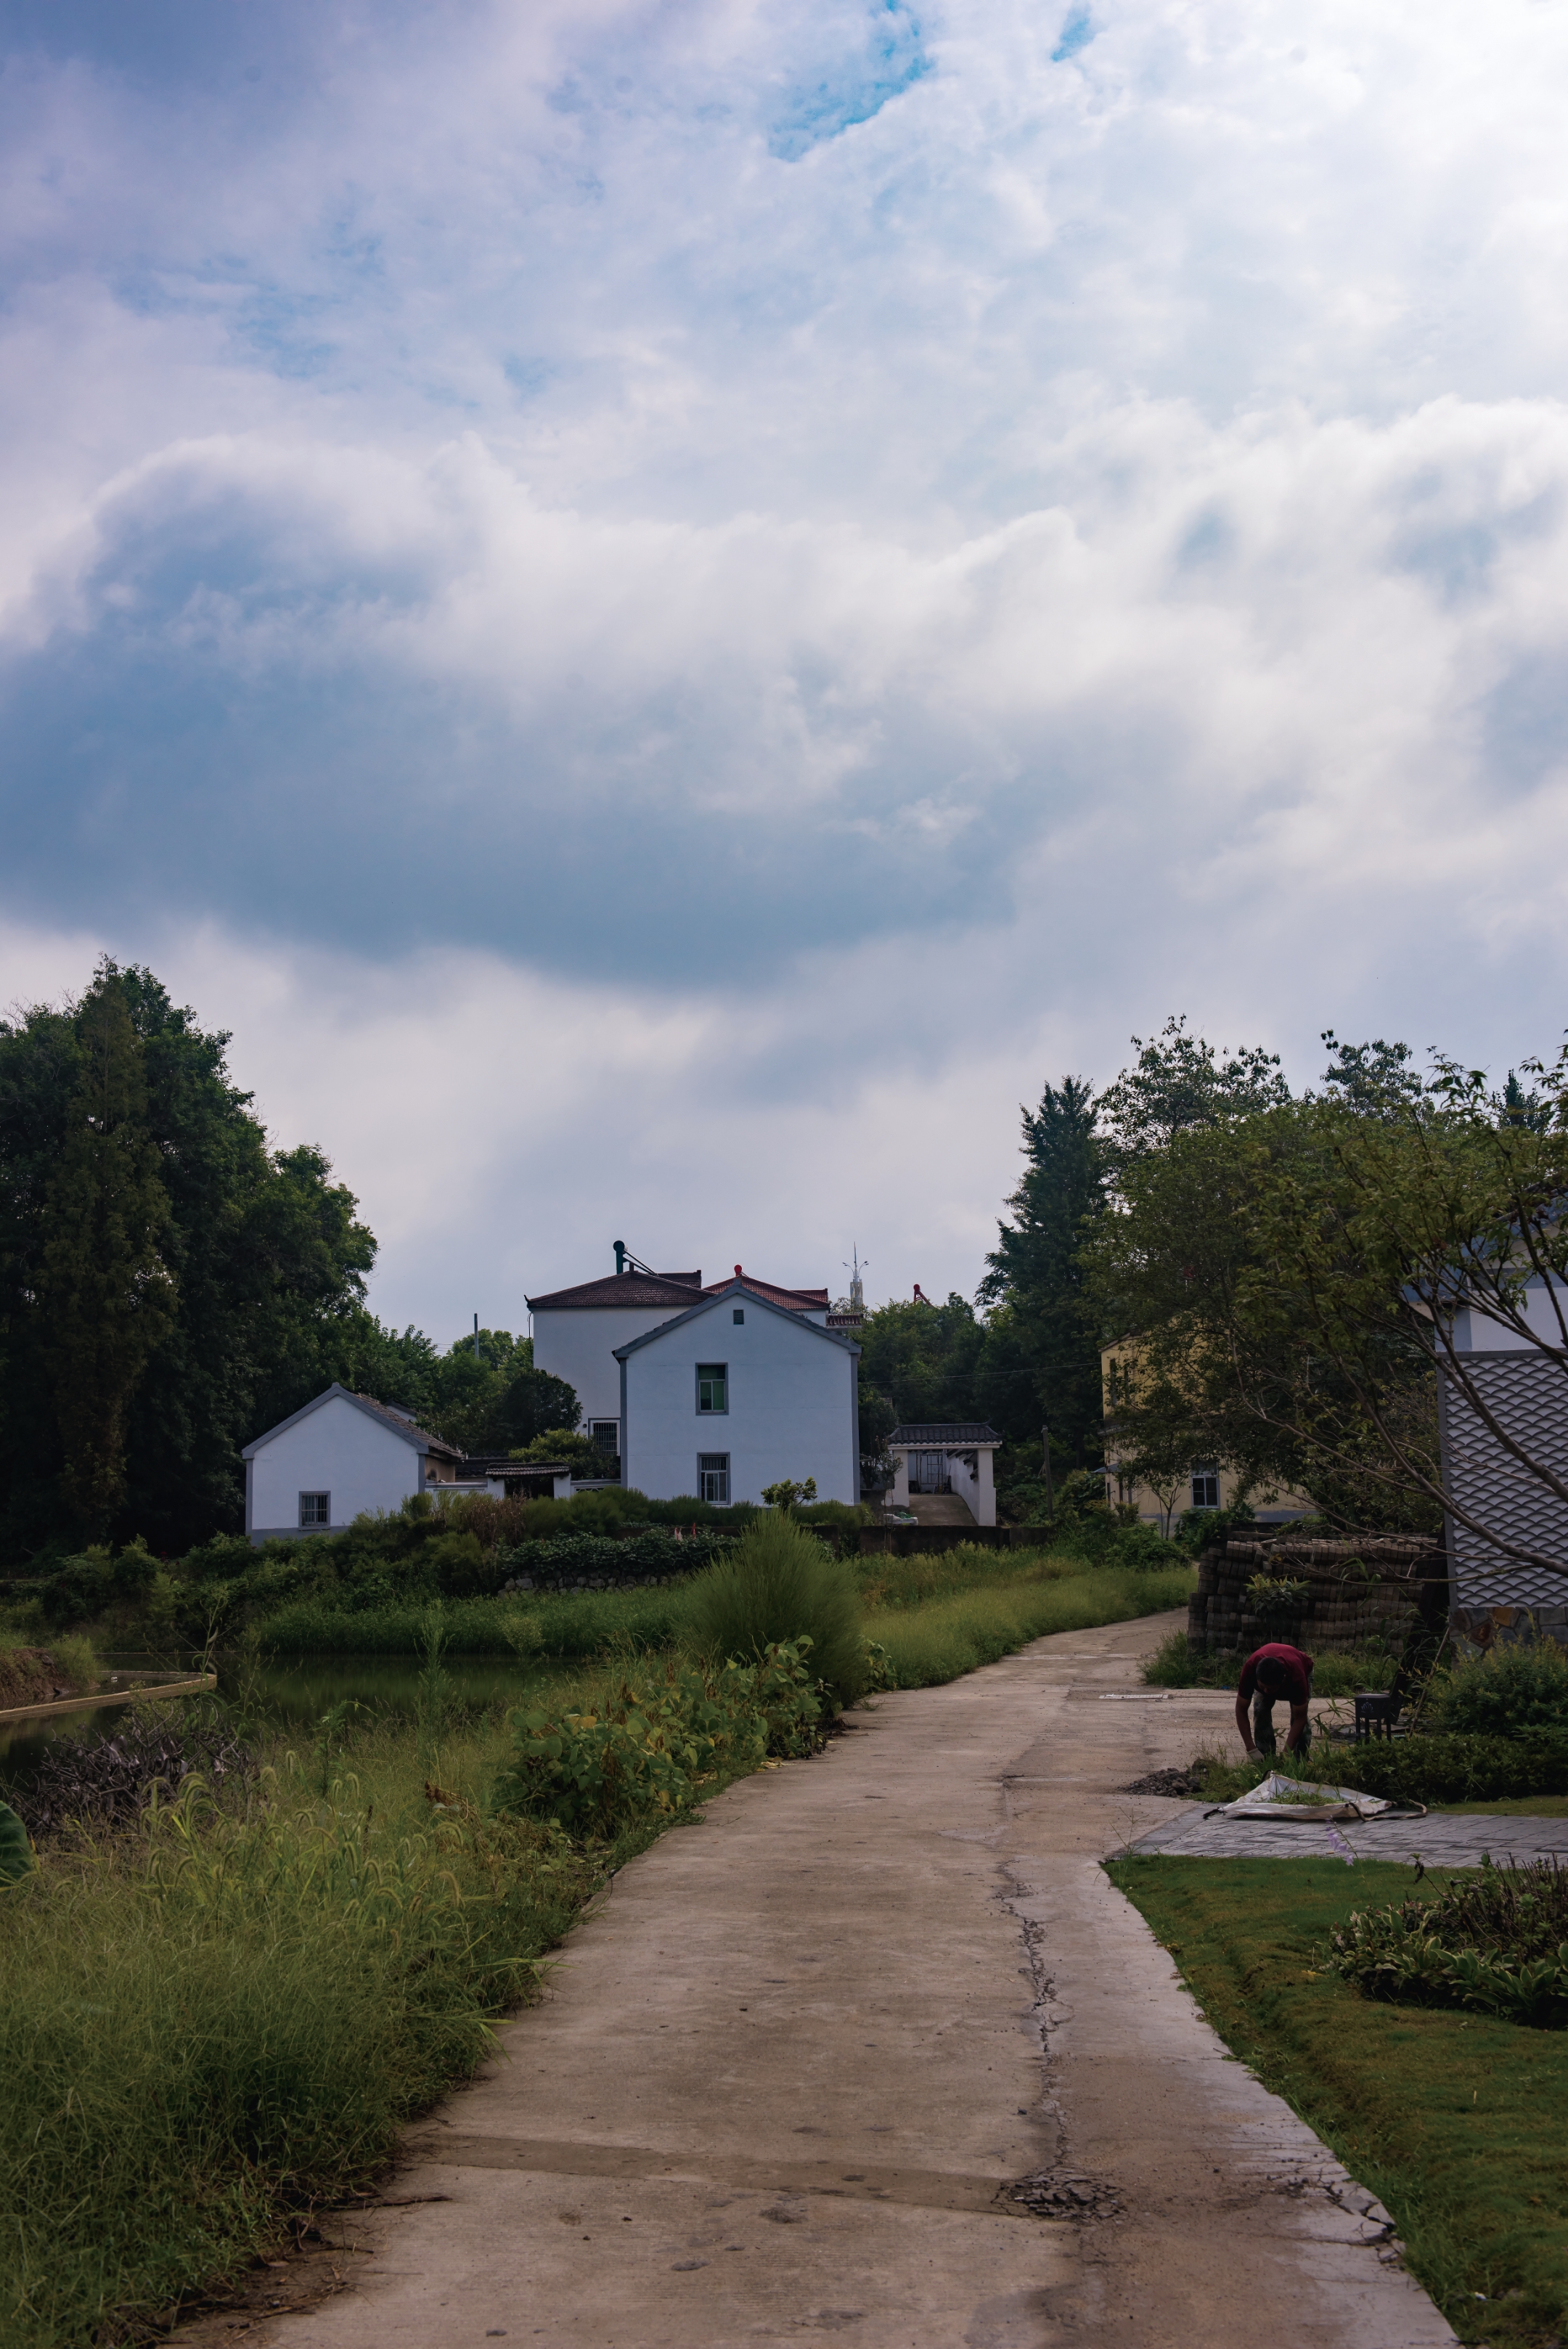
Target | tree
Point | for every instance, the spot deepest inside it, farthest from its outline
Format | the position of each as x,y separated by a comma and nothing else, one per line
922,1358
106,1295
1040,1363
1377,1243
1201,1138
1179,1084
262,1270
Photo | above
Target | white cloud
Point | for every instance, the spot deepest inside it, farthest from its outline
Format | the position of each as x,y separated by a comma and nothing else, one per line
735,646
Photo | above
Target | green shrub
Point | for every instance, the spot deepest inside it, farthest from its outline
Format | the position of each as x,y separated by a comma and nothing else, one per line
1507,1691
1454,1769
777,1584
1497,1942
654,1745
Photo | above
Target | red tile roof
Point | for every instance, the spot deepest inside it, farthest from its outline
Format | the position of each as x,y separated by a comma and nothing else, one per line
676,1290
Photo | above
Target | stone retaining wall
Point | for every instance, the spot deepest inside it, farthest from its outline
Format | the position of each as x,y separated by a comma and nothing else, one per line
913,1541
1357,1593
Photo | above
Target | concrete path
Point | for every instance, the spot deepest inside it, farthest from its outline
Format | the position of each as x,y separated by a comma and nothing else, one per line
794,2063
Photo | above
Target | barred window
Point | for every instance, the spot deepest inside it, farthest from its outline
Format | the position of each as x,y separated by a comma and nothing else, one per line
713,1477
315,1508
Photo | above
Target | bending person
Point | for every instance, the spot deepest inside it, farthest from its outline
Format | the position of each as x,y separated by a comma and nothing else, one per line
1269,1674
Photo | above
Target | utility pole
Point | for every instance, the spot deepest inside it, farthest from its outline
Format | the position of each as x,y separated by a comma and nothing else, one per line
476,1338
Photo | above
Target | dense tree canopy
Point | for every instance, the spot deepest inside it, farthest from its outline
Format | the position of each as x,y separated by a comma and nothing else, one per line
171,1284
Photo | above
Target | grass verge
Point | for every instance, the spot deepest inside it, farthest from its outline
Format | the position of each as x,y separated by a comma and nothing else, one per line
1453,2120
219,2019
955,1630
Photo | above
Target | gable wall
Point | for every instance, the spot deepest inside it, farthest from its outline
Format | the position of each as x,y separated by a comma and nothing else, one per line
577,1344
791,1407
336,1450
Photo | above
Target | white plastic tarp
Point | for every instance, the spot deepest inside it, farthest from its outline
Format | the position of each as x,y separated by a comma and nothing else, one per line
1281,1797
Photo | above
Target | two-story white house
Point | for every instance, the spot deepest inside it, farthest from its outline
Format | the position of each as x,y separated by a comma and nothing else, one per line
577,1332
736,1393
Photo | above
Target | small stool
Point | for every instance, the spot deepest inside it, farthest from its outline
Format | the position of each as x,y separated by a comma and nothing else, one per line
1376,1714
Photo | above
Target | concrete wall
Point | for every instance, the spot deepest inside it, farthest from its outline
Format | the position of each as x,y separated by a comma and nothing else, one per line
578,1346
791,1406
338,1450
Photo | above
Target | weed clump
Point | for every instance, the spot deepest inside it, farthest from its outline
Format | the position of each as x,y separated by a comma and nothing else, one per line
653,1747
1497,1942
780,1584
101,1784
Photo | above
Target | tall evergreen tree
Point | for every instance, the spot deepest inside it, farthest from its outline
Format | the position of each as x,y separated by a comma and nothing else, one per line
106,1291
1041,1361
259,1255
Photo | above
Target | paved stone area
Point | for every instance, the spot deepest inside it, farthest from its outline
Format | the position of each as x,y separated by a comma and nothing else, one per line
1439,1841
839,2059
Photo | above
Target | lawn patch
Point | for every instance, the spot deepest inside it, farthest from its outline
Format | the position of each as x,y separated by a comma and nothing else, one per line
1455,2121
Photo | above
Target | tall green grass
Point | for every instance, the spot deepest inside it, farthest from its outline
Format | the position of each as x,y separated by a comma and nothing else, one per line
227,2016
957,1630
780,1584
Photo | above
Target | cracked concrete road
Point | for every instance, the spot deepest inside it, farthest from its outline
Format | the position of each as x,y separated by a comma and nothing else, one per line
794,2062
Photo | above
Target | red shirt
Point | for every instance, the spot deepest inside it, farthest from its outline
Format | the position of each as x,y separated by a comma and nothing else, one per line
1298,1671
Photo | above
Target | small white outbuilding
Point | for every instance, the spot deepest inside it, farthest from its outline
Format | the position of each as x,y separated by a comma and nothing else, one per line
343,1453
737,1394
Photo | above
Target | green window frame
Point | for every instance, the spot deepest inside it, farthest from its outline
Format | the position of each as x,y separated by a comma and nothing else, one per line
712,1387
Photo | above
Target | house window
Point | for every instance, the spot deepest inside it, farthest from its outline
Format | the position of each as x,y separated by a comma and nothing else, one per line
713,1477
607,1435
1205,1488
315,1508
712,1386
738,1314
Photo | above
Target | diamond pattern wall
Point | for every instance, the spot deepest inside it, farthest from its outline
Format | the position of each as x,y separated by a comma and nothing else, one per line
1528,1394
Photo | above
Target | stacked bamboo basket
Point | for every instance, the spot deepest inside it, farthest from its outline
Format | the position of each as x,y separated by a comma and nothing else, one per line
1359,1593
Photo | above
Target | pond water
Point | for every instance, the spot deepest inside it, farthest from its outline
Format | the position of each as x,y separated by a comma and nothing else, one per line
296,1693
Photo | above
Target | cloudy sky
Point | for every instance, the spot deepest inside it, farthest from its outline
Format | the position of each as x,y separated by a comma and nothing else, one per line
665,606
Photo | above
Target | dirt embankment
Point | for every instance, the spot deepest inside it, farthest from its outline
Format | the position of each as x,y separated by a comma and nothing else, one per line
33,1676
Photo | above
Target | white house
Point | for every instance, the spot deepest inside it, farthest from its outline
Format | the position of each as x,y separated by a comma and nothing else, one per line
576,1331
343,1453
737,1392
946,1456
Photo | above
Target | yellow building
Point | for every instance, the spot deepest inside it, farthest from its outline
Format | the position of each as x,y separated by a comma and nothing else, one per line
1202,1483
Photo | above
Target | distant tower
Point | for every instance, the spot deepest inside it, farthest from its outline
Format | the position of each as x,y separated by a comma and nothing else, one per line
857,1284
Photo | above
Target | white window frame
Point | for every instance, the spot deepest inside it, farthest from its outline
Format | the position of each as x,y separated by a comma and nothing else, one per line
1206,1477
314,1525
705,1468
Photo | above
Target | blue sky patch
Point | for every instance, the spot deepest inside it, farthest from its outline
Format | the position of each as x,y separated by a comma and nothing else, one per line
891,58
1077,31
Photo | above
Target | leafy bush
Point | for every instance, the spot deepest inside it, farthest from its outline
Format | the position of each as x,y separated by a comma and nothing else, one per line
586,1556
652,1747
1505,1693
1497,1942
101,1783
1455,1769
778,1583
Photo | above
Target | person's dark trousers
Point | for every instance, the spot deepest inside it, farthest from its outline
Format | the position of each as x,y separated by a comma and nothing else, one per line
1263,1723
